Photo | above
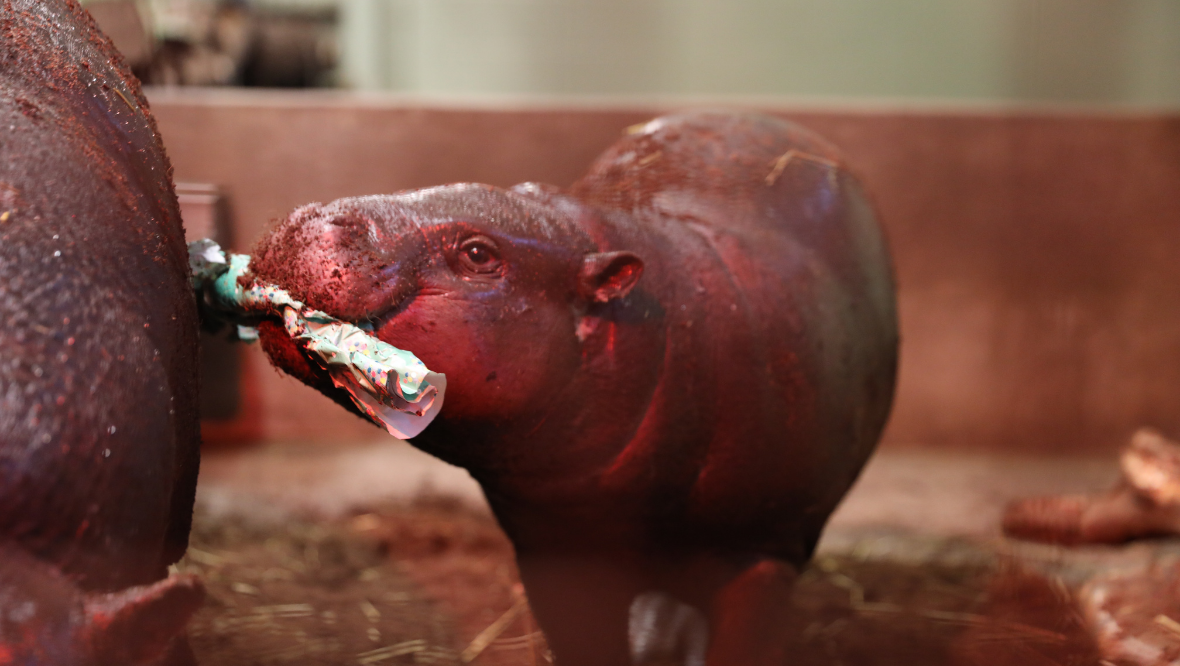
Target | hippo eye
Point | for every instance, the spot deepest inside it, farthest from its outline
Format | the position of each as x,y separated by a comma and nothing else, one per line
479,255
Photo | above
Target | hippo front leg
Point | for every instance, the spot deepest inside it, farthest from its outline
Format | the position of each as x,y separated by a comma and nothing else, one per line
750,623
665,631
751,617
595,613
581,603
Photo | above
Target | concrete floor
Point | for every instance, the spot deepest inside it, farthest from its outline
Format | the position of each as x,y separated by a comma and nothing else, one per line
923,491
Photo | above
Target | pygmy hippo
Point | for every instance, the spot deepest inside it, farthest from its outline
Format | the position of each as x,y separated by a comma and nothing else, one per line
98,346
664,378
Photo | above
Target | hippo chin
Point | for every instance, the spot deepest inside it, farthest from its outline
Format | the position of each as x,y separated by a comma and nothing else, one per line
664,378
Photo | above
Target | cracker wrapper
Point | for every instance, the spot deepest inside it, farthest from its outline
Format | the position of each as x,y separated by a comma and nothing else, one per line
390,385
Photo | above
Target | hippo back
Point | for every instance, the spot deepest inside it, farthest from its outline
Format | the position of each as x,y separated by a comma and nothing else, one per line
98,422
774,277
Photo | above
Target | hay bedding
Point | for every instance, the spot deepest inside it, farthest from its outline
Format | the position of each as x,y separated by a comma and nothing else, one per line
856,612
435,583
407,585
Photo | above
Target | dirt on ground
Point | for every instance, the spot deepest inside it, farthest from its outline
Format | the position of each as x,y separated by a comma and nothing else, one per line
434,583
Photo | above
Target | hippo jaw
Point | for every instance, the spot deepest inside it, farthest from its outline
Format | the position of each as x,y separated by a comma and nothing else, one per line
484,286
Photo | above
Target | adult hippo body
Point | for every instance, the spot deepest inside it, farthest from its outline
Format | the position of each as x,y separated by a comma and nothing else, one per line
664,378
99,434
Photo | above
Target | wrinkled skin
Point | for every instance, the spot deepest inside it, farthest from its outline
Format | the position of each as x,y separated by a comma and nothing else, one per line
664,378
98,423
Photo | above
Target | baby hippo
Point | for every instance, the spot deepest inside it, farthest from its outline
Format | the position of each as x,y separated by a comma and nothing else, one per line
664,378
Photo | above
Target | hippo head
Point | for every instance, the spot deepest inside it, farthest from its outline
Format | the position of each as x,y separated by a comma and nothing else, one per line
485,285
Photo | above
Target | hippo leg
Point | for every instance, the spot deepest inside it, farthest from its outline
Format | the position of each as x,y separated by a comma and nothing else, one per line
145,624
582,606
664,630
751,617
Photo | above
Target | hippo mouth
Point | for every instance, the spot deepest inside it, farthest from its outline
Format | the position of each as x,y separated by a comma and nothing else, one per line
344,361
386,385
285,355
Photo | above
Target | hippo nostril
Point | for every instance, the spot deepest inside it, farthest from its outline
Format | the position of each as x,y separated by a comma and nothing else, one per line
350,222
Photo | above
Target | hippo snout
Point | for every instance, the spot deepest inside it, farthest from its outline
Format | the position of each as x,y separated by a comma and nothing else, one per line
340,261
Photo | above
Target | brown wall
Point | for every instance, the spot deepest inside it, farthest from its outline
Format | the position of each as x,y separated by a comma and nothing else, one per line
1036,252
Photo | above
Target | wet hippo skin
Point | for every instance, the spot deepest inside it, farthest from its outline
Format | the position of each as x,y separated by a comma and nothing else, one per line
664,377
98,346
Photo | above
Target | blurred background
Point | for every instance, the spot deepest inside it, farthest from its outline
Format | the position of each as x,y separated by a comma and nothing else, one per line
1023,156
1091,51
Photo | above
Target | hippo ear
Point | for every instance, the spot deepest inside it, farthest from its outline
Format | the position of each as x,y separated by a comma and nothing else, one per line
606,276
137,625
